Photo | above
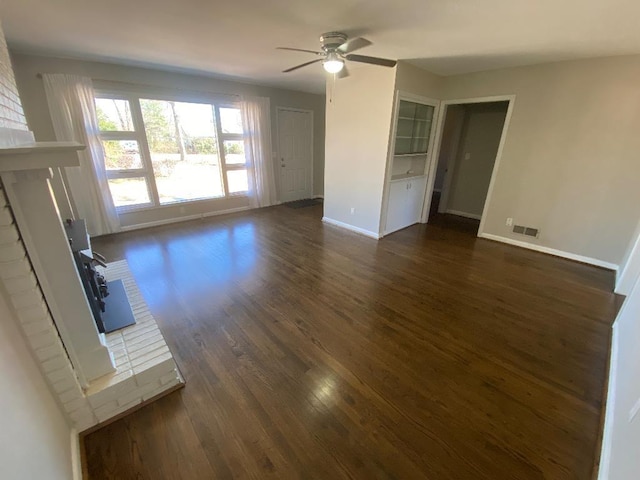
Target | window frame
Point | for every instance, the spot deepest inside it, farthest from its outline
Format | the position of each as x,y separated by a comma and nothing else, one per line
139,135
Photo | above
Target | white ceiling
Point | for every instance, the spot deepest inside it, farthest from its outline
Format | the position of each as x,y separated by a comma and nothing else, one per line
237,38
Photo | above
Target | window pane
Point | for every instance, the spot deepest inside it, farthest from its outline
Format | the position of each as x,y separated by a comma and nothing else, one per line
114,115
129,191
121,154
230,120
237,181
184,150
234,152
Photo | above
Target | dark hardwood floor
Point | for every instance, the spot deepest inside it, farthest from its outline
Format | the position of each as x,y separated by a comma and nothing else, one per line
312,352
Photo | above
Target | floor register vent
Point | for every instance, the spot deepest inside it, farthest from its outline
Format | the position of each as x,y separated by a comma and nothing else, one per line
528,231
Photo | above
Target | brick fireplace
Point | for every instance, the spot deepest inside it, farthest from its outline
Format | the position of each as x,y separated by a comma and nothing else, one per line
94,377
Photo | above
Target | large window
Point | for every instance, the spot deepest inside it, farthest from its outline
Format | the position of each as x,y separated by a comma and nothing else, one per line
159,152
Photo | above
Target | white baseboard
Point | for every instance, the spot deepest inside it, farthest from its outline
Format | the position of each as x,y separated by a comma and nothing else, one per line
346,226
609,409
76,458
463,214
168,221
551,251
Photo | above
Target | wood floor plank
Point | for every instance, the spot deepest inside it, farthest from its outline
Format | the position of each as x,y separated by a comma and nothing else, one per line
312,352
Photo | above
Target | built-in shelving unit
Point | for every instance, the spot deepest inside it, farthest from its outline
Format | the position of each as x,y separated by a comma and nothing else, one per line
408,162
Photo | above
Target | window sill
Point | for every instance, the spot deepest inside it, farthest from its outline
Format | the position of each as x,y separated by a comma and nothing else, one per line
144,208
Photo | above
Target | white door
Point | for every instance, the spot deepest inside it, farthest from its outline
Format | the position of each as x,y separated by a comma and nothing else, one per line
296,157
397,208
415,200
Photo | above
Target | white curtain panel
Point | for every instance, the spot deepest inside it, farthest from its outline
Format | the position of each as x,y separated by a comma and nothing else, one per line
73,112
256,117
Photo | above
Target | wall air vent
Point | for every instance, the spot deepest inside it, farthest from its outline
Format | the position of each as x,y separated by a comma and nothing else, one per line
528,231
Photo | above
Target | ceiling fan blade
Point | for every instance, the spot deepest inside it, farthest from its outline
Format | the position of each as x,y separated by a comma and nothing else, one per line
301,65
344,73
383,62
300,50
353,45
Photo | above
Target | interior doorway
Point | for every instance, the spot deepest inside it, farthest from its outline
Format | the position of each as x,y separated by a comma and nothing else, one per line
471,136
295,149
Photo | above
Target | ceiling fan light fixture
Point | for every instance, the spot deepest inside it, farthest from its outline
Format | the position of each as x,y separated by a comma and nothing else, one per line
333,63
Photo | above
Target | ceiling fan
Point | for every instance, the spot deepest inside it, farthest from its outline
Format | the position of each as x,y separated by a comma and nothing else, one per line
336,48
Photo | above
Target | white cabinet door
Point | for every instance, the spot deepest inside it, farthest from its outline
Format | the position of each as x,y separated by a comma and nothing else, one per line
397,207
415,199
405,203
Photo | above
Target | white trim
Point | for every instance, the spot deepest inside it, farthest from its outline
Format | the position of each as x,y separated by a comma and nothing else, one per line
168,221
551,251
346,226
459,213
76,458
629,271
496,165
312,166
609,409
318,196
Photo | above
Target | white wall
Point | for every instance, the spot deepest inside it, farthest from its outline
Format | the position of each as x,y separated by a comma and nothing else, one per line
35,439
357,139
570,161
475,158
35,106
621,441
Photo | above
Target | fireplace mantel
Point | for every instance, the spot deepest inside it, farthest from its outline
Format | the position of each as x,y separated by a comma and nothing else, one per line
27,170
39,155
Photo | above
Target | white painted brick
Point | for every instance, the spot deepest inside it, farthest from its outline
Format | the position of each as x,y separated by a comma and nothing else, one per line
11,251
138,393
173,375
21,284
140,330
27,298
113,393
55,363
50,352
157,352
41,326
145,349
80,413
43,340
8,233
76,404
154,369
16,268
121,409
34,313
83,419
6,218
65,384
141,345
71,395
60,374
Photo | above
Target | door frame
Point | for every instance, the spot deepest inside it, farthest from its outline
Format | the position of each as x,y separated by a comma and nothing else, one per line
280,108
436,153
436,104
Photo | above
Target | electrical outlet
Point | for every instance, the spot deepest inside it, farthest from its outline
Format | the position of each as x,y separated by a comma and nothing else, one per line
353,210
509,221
